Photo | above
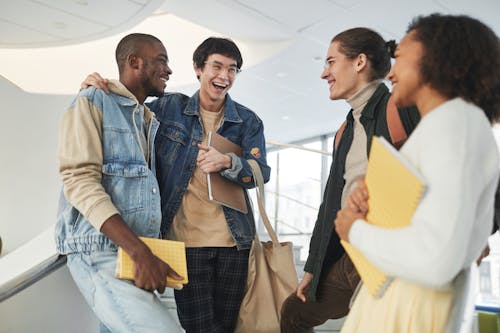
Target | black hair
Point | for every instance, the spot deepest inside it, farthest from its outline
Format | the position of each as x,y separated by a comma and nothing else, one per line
461,59
132,44
212,45
353,42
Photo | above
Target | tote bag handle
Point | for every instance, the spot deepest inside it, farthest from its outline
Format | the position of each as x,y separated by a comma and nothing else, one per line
259,183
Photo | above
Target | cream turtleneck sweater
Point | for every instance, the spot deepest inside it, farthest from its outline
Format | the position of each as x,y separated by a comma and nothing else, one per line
357,159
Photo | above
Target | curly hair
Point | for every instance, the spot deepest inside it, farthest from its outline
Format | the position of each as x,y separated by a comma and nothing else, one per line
461,59
353,42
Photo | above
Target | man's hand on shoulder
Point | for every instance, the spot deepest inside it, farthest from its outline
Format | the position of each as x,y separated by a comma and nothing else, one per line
95,80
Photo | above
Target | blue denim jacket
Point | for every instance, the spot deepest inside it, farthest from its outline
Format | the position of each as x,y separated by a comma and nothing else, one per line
179,134
126,177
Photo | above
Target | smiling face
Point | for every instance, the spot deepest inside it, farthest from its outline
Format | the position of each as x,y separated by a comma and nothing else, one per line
405,74
342,73
154,70
216,78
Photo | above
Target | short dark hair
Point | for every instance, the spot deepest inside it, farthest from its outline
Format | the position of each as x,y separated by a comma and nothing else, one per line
461,59
212,45
132,43
353,42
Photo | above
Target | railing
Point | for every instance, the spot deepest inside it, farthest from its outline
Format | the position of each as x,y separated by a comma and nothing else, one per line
28,264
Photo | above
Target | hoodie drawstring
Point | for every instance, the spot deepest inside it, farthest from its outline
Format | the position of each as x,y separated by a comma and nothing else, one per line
139,141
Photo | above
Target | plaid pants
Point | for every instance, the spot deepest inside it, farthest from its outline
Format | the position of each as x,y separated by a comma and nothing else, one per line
210,302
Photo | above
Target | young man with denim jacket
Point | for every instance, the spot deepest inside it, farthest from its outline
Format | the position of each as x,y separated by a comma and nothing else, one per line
110,192
217,238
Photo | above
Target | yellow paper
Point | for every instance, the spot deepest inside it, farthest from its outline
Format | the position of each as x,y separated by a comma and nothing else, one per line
395,189
171,252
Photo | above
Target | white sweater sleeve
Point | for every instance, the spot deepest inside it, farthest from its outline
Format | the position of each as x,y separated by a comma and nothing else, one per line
452,222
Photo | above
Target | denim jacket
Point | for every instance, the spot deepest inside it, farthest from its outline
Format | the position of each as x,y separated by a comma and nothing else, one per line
179,134
126,178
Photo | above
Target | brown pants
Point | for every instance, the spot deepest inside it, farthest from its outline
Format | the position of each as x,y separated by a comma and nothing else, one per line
333,296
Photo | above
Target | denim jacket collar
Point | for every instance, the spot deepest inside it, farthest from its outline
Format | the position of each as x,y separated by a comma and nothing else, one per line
230,112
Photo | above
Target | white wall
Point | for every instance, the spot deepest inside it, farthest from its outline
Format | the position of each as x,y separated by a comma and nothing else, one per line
29,189
29,182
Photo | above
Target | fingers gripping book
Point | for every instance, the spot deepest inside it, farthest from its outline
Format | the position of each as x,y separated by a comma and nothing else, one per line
171,252
220,189
395,188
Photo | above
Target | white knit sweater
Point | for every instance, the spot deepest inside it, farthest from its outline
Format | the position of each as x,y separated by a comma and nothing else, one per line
454,149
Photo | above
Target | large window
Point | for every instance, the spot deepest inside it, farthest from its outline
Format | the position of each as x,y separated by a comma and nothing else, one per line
295,190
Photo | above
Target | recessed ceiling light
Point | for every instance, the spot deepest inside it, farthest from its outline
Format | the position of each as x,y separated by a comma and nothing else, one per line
285,117
281,74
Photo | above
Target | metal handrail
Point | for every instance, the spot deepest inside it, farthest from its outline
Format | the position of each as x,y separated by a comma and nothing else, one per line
30,277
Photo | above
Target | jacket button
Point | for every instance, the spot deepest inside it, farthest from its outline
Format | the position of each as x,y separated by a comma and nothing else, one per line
154,190
193,143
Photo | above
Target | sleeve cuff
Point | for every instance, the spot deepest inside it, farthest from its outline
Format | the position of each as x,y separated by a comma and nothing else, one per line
356,232
236,167
102,211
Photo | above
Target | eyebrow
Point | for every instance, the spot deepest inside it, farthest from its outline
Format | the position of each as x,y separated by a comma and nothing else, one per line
220,63
330,58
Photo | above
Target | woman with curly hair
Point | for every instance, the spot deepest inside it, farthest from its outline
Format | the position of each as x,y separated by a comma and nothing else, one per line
448,66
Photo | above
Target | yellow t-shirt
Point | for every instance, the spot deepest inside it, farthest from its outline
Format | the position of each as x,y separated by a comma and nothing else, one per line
200,222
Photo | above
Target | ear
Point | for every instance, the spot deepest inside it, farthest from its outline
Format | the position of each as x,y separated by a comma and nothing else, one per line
361,62
134,61
197,70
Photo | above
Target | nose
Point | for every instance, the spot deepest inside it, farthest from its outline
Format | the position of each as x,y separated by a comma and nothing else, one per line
324,74
169,70
224,73
390,75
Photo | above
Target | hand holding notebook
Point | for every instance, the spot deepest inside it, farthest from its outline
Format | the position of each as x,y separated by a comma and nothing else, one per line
395,189
220,189
171,252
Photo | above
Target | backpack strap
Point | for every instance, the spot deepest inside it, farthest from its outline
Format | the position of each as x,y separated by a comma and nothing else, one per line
338,134
396,129
394,124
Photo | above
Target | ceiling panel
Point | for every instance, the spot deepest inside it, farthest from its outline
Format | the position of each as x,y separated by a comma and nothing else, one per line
12,34
59,22
294,15
98,11
48,20
228,18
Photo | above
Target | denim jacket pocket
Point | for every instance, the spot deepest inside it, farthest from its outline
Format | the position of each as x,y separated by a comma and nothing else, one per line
174,138
126,185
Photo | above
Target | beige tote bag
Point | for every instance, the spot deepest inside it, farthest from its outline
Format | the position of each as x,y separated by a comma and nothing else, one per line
271,275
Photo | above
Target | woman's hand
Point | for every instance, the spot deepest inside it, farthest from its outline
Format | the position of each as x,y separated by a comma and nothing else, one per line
358,199
344,220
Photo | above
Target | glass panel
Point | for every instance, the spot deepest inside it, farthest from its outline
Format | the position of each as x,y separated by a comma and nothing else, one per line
293,194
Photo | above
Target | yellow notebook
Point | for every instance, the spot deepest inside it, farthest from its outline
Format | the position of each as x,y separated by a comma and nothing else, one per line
395,188
171,252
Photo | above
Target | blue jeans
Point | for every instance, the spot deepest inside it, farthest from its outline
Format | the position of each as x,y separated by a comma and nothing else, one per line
119,305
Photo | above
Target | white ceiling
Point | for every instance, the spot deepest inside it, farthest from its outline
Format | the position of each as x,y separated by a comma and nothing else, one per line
283,44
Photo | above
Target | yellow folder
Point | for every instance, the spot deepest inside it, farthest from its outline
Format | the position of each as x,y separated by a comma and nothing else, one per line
395,188
171,252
